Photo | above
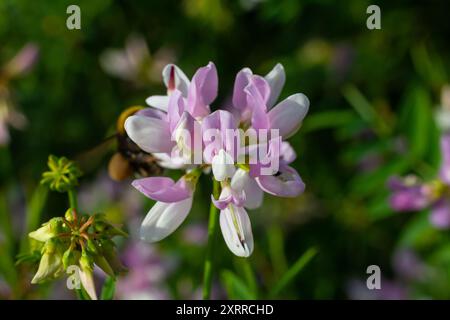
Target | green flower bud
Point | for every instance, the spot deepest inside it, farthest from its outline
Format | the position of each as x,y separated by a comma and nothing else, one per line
50,266
110,255
103,264
92,247
86,274
48,230
63,174
69,215
103,226
70,257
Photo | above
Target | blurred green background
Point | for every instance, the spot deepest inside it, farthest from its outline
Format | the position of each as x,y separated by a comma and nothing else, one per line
373,97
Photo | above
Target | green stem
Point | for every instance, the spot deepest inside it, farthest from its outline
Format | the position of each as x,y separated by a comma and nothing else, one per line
212,226
73,199
73,203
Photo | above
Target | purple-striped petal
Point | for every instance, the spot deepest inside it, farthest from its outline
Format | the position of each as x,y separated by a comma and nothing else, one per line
174,78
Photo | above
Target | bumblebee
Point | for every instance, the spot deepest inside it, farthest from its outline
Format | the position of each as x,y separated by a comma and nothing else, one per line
129,159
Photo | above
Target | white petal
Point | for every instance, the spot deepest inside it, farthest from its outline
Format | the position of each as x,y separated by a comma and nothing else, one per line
276,78
181,81
163,219
170,162
222,166
150,134
237,230
242,181
158,102
87,280
288,114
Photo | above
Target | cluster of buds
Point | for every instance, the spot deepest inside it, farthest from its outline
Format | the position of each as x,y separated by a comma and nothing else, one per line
63,174
77,240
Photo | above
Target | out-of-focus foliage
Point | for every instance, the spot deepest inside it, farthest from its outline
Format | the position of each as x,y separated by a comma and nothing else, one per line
373,98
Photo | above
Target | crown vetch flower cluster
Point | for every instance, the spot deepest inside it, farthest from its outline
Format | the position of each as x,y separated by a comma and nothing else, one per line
177,121
412,194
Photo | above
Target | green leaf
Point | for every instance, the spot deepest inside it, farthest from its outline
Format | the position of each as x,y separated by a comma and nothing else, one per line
34,212
5,223
293,271
327,120
365,109
417,121
108,290
235,287
7,268
418,232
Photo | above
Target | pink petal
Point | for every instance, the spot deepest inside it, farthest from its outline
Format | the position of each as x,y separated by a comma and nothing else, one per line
163,189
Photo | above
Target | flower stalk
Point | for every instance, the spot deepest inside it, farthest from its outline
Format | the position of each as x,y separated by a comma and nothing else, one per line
212,227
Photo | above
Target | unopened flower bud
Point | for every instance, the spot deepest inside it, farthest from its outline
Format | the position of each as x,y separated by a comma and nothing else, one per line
86,274
63,174
48,230
70,257
50,266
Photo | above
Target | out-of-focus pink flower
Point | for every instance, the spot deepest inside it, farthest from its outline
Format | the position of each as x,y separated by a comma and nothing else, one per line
411,194
134,62
390,290
147,273
21,63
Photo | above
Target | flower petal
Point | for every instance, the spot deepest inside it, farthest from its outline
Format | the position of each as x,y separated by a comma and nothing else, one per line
241,81
172,73
237,230
276,78
150,134
163,189
445,151
287,183
260,119
287,153
163,219
151,113
227,196
407,194
242,182
223,166
158,102
288,114
440,215
169,162
203,90
87,280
